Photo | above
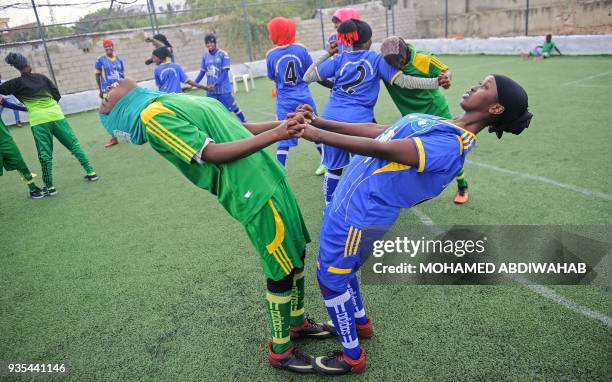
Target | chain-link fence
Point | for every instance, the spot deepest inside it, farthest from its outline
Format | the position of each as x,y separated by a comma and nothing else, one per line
67,51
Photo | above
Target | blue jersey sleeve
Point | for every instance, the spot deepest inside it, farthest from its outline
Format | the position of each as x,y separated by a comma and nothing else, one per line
386,71
157,78
181,73
122,73
98,65
226,62
203,63
437,153
270,65
307,60
326,69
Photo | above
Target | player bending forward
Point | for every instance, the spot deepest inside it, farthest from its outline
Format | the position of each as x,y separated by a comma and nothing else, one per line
397,167
206,143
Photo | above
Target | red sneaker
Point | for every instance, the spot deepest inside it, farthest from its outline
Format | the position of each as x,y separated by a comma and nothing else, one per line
461,197
363,330
113,141
293,360
337,363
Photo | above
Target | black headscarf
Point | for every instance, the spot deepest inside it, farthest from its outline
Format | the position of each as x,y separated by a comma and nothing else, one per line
162,52
354,32
16,60
162,38
210,38
513,98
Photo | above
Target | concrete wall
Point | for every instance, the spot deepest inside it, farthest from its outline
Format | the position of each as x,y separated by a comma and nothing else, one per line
73,58
486,18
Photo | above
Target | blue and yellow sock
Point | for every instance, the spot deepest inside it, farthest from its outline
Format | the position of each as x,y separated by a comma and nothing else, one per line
360,314
341,309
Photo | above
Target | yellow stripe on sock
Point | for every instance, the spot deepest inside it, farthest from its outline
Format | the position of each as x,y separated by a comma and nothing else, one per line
281,341
297,313
299,276
278,299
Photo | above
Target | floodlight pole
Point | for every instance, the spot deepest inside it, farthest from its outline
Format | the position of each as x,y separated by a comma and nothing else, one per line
247,29
526,17
150,17
154,16
42,37
445,18
321,18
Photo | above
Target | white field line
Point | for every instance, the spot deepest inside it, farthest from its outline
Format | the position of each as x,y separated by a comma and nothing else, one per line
539,289
588,78
542,179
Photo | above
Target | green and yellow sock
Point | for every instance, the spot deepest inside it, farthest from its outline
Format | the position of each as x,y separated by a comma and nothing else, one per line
279,310
297,298
28,178
461,181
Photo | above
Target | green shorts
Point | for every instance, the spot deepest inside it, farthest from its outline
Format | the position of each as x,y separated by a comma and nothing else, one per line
279,234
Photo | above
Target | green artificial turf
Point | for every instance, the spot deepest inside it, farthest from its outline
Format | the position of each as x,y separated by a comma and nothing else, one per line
144,277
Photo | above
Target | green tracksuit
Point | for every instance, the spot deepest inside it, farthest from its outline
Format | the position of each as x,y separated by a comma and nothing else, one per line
11,159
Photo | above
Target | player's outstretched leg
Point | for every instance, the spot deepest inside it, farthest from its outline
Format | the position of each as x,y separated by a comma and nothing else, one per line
301,326
63,132
281,352
461,197
43,138
341,309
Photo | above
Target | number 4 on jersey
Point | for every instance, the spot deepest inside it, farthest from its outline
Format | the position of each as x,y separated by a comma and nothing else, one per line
290,73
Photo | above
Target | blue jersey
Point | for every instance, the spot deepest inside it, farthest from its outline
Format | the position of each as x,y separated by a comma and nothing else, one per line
341,47
216,65
111,70
286,67
372,191
169,77
357,82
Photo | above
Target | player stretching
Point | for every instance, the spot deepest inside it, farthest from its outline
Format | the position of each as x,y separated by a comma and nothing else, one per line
215,65
10,156
396,167
109,70
40,97
287,64
355,92
206,143
420,64
169,75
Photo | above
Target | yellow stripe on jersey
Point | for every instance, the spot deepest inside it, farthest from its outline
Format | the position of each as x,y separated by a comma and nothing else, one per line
439,64
276,246
395,76
348,238
421,62
460,144
421,151
353,241
340,271
357,244
173,136
286,257
161,133
151,130
393,166
154,109
319,76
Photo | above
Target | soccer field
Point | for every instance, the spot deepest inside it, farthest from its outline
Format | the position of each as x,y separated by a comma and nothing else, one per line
142,276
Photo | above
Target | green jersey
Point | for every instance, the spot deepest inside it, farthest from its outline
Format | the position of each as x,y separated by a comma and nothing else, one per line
39,95
548,47
420,64
180,126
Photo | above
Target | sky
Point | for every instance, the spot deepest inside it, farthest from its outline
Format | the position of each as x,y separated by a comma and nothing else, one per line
62,14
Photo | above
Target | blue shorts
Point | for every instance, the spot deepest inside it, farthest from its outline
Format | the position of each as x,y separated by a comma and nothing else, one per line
227,99
334,158
281,113
343,249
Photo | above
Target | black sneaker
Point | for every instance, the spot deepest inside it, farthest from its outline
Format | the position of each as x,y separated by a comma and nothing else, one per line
91,177
293,360
37,193
50,191
310,329
336,363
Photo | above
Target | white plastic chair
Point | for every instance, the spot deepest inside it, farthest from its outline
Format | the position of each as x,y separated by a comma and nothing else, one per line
242,75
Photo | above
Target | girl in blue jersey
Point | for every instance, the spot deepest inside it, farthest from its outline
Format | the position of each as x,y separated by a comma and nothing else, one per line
216,65
357,81
169,76
109,70
287,64
395,167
